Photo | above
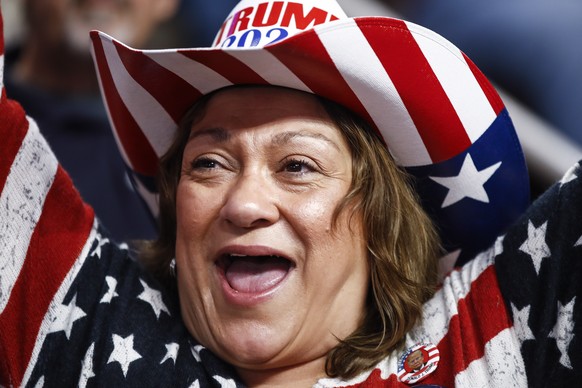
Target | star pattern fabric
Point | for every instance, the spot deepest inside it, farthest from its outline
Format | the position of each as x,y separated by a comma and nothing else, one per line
128,339
539,275
535,245
153,298
65,316
469,183
563,332
521,318
111,293
123,352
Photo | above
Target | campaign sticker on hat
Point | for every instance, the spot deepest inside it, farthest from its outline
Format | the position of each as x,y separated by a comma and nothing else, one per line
256,24
417,363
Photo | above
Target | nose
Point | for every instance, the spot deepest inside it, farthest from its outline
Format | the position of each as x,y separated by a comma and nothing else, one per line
250,202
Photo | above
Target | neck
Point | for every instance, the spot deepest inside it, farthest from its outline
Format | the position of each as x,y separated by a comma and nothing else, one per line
301,375
56,68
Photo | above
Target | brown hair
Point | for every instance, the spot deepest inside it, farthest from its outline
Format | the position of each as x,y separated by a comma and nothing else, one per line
402,242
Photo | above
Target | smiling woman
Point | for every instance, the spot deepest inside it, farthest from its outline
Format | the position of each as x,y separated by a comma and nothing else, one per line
309,194
270,215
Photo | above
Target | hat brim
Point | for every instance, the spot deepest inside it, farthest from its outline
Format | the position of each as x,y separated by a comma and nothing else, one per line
428,101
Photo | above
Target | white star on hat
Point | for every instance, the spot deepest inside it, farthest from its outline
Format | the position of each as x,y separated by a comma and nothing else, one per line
468,184
123,352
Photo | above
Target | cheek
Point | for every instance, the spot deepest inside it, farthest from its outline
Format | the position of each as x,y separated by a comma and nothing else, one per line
194,210
315,214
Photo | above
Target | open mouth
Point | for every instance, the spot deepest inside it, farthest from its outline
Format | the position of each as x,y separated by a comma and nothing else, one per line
254,274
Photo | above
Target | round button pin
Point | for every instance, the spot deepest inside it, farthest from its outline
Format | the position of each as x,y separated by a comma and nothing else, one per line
417,363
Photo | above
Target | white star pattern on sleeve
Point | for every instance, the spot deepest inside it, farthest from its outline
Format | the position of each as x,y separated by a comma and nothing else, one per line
153,298
171,352
40,383
563,331
100,242
535,245
123,352
196,352
570,175
87,367
468,184
520,323
195,384
64,316
225,383
111,286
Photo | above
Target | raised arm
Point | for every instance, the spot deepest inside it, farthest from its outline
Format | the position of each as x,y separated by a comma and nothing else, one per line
540,276
44,226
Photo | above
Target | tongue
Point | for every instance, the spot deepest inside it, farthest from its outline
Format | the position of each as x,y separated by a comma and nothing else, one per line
256,274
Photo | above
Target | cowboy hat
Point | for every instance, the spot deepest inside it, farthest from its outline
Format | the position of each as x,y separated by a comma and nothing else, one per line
438,115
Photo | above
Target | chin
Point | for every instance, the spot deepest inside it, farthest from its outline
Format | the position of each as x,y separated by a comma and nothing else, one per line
256,345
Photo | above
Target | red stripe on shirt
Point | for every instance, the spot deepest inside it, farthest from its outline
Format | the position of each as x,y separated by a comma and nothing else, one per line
433,114
56,242
142,156
173,93
481,316
13,121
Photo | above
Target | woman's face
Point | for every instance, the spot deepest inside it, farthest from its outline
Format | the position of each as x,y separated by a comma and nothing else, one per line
265,280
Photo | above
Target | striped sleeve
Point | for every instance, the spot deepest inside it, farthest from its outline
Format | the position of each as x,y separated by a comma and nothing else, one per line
467,321
44,226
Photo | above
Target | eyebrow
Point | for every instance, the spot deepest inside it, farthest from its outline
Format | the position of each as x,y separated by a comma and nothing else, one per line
221,135
217,134
286,137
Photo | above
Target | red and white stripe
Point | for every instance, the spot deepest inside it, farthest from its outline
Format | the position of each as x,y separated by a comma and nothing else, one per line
388,71
21,206
44,227
468,322
48,320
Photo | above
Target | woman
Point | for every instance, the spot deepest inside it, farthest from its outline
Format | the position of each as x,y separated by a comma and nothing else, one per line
300,248
238,252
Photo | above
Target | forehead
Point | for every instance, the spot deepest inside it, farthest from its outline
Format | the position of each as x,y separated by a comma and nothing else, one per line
253,105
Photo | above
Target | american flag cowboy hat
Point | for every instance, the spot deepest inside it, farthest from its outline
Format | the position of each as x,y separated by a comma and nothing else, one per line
438,115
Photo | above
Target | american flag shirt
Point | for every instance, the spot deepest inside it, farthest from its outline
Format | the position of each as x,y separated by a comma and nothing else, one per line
77,310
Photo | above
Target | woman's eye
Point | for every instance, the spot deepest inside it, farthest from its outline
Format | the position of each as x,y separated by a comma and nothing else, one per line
298,166
204,163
